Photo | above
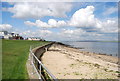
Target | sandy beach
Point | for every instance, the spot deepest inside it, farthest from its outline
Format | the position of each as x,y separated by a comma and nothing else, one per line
65,62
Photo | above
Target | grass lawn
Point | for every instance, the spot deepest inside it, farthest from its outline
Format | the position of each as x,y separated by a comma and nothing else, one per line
14,56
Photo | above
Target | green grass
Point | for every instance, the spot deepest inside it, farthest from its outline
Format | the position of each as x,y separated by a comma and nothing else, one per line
14,56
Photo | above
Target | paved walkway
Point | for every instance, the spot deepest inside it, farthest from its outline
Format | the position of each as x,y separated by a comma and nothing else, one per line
31,71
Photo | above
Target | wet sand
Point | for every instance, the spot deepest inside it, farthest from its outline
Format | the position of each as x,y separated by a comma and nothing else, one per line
70,63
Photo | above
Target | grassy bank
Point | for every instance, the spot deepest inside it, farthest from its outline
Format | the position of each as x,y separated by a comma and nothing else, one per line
14,57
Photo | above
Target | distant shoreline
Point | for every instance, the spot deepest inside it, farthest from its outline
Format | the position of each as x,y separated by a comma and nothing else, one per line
90,41
84,50
68,45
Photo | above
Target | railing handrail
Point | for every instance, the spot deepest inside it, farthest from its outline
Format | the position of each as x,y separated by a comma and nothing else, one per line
48,72
44,67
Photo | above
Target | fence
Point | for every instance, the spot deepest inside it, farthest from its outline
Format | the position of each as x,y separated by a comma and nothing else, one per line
42,72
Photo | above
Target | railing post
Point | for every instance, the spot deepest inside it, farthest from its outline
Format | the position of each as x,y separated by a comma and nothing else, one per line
32,59
40,69
45,49
40,72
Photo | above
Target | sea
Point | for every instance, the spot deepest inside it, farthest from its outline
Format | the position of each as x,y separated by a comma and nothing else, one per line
109,48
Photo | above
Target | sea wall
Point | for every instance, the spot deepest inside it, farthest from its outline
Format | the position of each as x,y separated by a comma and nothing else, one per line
39,51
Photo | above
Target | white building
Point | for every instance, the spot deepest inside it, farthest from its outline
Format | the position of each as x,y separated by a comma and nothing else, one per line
1,35
6,35
35,38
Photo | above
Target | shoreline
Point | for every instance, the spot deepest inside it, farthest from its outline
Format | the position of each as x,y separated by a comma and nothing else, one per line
70,63
85,51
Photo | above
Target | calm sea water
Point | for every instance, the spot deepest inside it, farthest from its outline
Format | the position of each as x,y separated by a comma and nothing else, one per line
110,48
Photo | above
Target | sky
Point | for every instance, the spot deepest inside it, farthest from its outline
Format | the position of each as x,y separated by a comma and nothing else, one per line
62,21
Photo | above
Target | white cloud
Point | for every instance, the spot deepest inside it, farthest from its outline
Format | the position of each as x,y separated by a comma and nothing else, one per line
5,27
110,11
45,32
73,32
40,23
37,1
83,17
37,33
86,18
51,23
29,23
63,35
110,26
38,10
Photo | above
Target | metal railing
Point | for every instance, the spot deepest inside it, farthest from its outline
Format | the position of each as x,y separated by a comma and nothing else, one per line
42,72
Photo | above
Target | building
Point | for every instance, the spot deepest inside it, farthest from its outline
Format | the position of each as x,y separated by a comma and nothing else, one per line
1,35
35,39
7,35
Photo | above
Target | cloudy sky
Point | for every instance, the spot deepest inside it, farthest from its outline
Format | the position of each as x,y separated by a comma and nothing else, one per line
62,21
